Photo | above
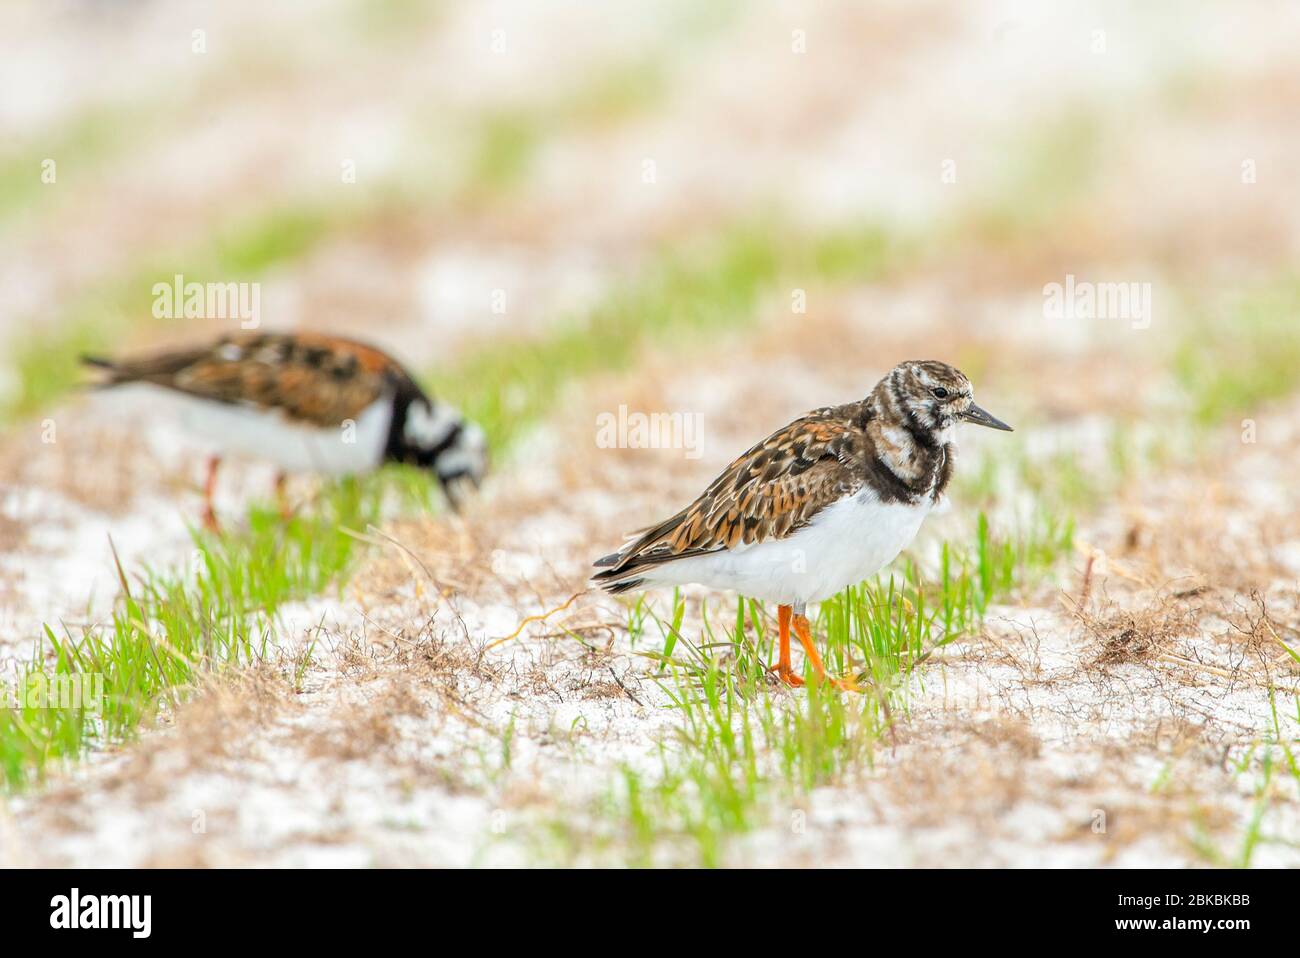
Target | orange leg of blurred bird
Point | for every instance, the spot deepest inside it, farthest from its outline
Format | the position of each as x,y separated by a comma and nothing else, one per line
282,497
804,634
782,668
209,487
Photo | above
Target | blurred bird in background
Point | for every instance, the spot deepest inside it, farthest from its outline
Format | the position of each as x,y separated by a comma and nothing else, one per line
308,403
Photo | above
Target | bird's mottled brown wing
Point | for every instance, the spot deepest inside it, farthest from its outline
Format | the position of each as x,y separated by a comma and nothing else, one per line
769,492
311,378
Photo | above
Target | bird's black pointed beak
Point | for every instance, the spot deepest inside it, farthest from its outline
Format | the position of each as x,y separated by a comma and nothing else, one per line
982,417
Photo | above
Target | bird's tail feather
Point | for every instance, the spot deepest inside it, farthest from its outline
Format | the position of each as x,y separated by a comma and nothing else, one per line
622,585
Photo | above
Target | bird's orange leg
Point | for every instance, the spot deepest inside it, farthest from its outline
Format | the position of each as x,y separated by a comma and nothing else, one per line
782,668
804,634
281,497
210,487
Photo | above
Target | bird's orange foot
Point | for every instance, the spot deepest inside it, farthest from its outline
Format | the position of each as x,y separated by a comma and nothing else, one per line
786,675
846,684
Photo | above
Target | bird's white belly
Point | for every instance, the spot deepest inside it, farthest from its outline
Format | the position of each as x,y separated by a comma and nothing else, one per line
268,435
846,543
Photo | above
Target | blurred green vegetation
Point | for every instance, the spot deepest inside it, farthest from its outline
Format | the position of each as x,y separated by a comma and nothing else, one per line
81,144
390,20
689,291
1234,359
46,362
1047,172
501,148
507,140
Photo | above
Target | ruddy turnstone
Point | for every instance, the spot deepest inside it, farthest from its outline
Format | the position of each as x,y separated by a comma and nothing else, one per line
309,402
817,506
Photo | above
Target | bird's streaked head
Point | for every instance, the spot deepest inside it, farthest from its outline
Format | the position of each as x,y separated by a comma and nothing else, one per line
439,438
933,396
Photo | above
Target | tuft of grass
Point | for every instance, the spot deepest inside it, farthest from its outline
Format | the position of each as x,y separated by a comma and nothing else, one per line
744,753
1276,769
167,630
739,750
881,632
1272,758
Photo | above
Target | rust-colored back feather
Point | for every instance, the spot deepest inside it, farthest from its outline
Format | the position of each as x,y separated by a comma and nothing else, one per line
311,378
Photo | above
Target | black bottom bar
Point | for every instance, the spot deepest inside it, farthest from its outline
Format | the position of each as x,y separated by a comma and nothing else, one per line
331,907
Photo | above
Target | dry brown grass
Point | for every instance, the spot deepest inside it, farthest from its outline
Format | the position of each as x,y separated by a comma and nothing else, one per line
440,557
973,773
1137,636
97,464
13,533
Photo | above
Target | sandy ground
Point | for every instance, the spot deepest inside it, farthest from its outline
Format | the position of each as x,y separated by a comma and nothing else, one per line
1136,701
1134,704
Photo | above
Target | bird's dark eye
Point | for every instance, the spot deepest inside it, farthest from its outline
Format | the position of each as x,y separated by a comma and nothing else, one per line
940,392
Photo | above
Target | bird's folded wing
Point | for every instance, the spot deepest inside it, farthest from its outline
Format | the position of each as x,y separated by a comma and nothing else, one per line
772,490
315,380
